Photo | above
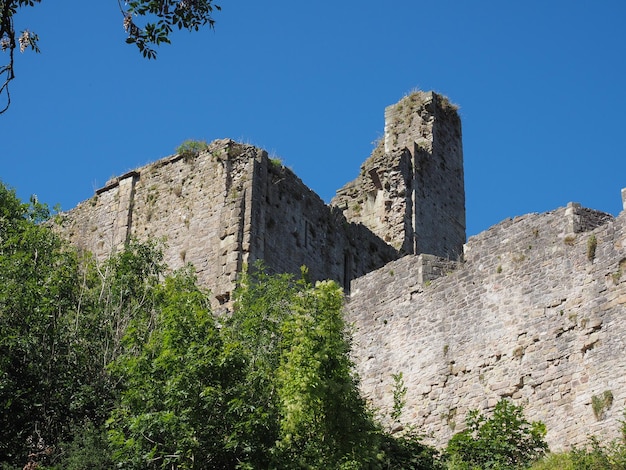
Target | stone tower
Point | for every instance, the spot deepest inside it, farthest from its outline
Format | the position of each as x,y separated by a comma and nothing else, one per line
410,191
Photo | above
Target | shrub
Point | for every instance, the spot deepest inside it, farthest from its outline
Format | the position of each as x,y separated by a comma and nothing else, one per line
88,449
504,441
569,240
601,403
191,148
399,396
592,244
276,162
597,456
560,461
408,452
594,456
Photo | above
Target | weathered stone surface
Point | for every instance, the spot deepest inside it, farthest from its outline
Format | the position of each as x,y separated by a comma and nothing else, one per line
222,209
410,192
528,315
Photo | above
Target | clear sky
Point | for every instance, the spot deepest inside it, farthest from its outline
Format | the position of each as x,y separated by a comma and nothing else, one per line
541,87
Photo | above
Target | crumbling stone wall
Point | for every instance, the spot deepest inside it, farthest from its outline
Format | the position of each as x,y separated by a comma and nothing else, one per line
230,206
532,314
410,191
195,204
222,209
380,198
439,188
292,227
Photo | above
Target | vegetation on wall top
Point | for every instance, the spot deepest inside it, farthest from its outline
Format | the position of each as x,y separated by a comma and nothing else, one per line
191,148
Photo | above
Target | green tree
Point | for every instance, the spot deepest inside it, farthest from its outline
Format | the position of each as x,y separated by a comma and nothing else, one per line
62,317
117,298
38,284
88,448
175,385
298,405
85,341
148,23
261,305
506,440
324,421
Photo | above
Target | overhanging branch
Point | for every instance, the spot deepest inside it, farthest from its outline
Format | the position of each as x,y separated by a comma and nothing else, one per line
7,42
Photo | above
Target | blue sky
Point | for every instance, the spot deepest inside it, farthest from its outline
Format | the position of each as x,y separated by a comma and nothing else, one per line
540,84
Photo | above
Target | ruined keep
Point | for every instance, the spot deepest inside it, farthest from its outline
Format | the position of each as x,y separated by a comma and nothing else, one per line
531,309
231,205
222,209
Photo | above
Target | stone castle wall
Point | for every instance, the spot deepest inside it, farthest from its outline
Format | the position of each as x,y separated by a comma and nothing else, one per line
291,226
528,315
381,198
222,209
230,206
439,185
196,205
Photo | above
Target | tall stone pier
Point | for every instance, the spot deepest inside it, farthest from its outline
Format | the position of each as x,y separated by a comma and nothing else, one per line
411,190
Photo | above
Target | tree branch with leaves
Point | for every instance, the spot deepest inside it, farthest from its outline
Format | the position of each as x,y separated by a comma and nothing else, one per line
148,23
8,43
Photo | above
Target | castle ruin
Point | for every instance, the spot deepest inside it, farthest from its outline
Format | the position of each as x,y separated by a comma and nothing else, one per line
522,310
231,205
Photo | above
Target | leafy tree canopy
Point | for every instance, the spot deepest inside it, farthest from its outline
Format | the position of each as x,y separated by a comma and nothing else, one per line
148,23
62,320
116,364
